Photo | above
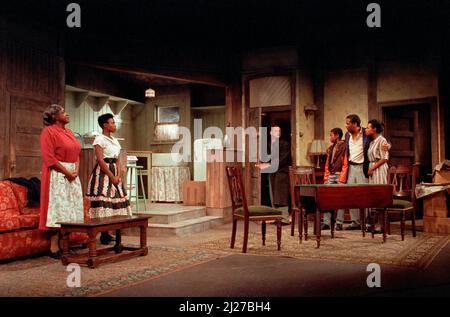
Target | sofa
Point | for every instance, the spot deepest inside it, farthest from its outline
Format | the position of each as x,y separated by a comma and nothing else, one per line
19,233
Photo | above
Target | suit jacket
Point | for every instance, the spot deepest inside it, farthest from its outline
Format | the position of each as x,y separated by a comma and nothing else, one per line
280,179
366,144
284,156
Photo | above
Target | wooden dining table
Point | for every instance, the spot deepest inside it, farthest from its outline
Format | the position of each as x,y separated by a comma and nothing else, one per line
320,198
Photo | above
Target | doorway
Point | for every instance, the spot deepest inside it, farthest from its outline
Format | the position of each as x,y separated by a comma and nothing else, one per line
408,128
282,119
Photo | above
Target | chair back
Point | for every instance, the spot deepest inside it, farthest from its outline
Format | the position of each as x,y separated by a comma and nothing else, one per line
403,180
299,175
237,191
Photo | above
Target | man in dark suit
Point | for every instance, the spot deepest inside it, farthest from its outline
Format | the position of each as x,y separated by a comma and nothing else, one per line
280,160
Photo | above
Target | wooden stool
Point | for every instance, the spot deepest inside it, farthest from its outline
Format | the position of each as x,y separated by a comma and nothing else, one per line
136,175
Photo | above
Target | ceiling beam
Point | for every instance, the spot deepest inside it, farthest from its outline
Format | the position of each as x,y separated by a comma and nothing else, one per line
105,82
182,76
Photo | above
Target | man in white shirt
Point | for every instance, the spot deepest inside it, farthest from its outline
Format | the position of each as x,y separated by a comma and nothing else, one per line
357,143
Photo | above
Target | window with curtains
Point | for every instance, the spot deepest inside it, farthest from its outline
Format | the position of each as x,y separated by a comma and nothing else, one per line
167,119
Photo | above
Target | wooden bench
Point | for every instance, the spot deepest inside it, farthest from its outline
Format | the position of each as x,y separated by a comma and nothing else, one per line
92,227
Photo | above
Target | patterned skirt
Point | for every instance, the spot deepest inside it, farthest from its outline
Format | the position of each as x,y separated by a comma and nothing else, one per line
380,175
106,198
65,203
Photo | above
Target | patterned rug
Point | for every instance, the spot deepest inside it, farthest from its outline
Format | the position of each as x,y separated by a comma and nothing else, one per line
347,246
43,276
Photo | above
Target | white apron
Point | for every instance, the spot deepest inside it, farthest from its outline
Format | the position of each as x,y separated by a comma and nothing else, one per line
65,202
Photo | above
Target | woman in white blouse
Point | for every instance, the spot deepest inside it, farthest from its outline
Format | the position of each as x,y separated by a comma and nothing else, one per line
105,189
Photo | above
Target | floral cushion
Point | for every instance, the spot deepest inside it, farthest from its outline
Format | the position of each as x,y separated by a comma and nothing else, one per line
26,242
20,192
30,211
9,223
22,243
19,235
29,221
7,198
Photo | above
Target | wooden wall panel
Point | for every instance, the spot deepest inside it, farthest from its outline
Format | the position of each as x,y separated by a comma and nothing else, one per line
83,119
32,72
4,111
270,91
31,78
210,117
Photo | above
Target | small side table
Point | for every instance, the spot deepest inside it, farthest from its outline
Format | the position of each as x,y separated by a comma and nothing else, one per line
95,257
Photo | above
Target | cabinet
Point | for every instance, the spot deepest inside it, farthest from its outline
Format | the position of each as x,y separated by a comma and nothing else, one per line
169,173
218,193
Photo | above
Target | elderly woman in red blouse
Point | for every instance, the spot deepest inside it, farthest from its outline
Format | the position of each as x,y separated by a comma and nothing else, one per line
61,195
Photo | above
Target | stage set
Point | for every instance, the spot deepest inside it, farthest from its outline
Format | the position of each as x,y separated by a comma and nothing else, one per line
356,103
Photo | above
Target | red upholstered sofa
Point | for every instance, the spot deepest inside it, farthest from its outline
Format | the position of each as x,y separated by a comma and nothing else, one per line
19,233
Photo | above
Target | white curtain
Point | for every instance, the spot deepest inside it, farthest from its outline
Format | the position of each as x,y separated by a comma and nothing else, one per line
166,132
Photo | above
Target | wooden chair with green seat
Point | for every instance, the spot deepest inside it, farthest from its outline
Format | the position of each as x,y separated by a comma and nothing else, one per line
403,179
242,211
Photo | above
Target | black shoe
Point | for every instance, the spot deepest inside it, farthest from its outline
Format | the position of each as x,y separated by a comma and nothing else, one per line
353,226
369,229
324,226
339,227
56,255
106,238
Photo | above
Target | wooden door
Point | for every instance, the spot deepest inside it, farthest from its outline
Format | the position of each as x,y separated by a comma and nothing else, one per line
408,129
26,125
254,185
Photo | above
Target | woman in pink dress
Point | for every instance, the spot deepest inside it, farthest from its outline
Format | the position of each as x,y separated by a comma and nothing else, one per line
61,195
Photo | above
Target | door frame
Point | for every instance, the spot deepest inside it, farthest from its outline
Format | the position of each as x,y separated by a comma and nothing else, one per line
437,130
293,121
291,74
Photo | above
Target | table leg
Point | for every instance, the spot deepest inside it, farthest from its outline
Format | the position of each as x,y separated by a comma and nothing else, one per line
65,246
372,222
92,244
362,216
317,226
384,224
332,223
300,221
279,230
292,222
143,190
144,238
263,231
305,225
118,245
